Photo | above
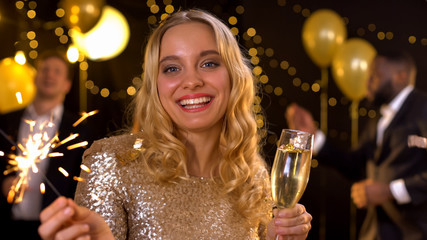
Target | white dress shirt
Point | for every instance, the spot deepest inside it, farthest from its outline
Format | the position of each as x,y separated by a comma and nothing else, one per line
397,187
30,207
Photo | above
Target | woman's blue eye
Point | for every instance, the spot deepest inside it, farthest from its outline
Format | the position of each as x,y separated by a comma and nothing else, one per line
170,69
210,64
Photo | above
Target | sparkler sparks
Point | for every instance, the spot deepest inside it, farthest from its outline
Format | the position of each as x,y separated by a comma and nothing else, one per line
42,188
69,138
36,148
55,154
77,145
78,179
85,168
84,116
63,171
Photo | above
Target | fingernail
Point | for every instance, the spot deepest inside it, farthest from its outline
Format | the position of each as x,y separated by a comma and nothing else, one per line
68,211
86,227
277,222
61,202
86,237
282,214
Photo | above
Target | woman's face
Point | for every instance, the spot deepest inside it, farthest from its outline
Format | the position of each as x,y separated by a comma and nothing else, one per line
193,81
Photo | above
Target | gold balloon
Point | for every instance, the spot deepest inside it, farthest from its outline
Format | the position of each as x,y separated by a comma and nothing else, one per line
17,83
107,39
322,33
350,67
82,15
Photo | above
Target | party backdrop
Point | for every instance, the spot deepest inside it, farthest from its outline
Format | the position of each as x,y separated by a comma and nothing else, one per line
288,67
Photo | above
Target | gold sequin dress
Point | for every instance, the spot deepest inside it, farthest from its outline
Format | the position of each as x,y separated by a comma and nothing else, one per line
137,207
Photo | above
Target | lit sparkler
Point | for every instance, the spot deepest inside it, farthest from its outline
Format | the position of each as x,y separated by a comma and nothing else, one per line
36,148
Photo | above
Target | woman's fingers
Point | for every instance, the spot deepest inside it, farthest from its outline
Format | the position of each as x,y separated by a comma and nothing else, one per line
293,222
291,212
85,237
59,204
298,230
290,222
54,219
77,231
80,212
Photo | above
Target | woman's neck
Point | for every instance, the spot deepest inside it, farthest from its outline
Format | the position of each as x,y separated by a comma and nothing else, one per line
202,152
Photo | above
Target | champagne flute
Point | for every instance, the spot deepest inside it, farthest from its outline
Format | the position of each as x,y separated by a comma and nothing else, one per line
291,167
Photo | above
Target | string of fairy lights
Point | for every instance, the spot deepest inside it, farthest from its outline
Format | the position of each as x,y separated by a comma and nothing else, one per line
258,54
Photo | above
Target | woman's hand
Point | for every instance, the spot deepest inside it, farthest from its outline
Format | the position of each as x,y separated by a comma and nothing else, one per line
63,219
290,223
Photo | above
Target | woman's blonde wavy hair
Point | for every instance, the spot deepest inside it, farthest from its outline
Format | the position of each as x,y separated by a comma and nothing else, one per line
242,171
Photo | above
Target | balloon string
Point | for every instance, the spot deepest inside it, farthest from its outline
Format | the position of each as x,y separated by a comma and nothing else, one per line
324,100
354,115
83,90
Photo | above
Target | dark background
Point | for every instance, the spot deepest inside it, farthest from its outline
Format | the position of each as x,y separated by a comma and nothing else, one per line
279,24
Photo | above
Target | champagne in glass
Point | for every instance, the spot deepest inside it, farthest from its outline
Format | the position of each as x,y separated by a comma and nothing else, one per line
291,167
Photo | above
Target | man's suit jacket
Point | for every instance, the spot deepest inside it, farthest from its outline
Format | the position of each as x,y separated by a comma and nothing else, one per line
391,160
71,160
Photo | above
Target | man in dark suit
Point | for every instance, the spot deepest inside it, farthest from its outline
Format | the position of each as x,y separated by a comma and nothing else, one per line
395,189
53,82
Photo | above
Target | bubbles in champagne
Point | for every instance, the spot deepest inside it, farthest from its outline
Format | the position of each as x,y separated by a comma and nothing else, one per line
289,176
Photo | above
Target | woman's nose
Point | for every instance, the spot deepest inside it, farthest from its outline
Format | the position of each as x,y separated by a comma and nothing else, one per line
192,79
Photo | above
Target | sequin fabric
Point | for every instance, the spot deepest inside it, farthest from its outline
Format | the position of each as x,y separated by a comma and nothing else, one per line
121,190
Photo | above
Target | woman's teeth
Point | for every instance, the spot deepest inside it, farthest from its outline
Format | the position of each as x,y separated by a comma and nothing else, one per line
195,102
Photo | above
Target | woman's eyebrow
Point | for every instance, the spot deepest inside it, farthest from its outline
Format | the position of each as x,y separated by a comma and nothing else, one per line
202,54
171,57
208,52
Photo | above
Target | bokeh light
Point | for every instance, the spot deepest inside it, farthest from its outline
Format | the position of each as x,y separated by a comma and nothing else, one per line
72,54
20,58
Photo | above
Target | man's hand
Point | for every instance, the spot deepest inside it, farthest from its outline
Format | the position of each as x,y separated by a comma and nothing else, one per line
300,119
369,192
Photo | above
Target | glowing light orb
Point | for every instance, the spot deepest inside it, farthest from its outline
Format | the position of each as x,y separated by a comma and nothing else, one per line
15,78
72,54
20,57
107,39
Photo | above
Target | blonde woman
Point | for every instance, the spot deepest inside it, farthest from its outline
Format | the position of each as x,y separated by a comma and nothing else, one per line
193,171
